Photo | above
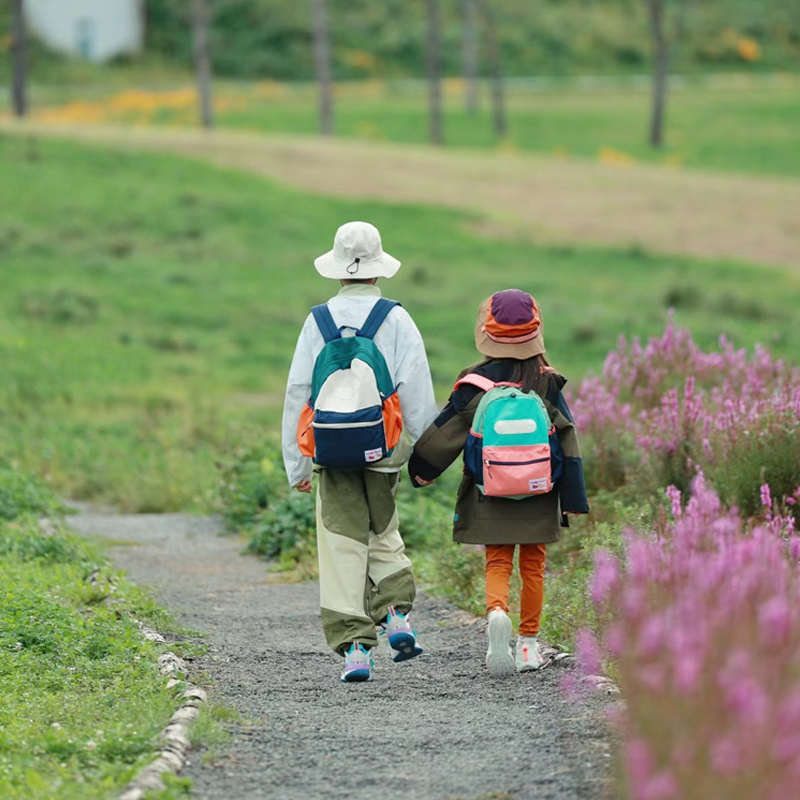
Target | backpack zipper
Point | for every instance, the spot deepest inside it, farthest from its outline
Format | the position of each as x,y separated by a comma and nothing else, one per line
514,463
489,464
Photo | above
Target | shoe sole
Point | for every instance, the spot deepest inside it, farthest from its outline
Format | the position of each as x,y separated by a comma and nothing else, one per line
406,646
499,660
357,676
528,667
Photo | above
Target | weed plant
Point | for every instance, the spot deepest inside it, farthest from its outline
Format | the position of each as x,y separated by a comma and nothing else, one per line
83,700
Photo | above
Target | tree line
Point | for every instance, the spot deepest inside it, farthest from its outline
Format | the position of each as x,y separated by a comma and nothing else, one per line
478,28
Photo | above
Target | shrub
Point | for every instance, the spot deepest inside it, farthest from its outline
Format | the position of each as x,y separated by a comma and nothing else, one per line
248,484
286,529
659,412
22,494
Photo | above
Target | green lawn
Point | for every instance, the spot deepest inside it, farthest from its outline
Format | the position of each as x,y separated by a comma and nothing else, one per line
150,307
746,123
82,697
754,129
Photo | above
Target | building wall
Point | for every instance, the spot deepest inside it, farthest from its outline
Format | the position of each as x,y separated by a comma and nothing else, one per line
93,29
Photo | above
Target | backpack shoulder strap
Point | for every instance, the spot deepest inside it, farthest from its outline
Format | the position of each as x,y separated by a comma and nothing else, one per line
327,327
376,317
473,379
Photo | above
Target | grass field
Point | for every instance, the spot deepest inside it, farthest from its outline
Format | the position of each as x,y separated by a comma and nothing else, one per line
83,700
151,304
744,123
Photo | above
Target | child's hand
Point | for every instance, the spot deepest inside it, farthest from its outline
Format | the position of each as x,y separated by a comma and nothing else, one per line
422,482
305,486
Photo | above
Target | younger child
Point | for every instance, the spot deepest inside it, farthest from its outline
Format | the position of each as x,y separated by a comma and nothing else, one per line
509,334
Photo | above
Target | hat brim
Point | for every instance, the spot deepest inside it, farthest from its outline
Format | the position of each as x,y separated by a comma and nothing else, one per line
493,349
337,269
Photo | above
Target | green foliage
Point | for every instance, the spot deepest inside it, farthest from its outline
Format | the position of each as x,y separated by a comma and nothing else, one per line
82,695
24,494
285,529
568,607
457,572
771,457
272,38
249,482
31,544
279,523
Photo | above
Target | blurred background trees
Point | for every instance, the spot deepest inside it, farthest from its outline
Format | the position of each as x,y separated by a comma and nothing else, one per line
18,58
202,60
273,38
322,62
479,41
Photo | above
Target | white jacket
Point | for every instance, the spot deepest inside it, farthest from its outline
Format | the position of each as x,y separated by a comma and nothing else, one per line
400,343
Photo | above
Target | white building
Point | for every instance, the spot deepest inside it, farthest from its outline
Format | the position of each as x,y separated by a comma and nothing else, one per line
94,29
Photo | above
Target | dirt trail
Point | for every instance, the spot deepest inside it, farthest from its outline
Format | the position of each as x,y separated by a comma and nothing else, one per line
663,209
434,728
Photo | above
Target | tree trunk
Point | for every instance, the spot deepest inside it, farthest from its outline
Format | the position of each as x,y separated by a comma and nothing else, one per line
434,72
18,57
660,71
202,61
496,70
322,62
470,8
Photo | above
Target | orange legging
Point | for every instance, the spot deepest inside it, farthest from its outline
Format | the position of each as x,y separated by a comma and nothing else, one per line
499,565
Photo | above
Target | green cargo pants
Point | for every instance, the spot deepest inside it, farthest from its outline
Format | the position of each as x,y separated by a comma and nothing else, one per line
363,568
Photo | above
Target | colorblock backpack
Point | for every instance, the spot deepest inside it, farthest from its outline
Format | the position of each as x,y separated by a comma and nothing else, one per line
353,418
512,449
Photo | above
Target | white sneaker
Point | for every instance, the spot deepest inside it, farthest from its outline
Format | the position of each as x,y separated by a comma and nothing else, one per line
499,660
528,657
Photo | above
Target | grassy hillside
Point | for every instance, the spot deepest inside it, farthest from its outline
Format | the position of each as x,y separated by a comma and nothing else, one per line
739,124
150,307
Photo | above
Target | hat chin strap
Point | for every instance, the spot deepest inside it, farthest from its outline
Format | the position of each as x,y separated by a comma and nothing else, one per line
357,263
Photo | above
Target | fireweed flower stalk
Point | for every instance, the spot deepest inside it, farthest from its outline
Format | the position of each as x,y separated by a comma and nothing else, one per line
661,410
702,619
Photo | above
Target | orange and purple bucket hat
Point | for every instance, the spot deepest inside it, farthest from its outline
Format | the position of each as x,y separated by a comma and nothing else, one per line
509,326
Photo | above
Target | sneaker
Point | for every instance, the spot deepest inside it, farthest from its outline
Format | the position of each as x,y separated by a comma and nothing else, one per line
400,636
358,664
499,660
528,657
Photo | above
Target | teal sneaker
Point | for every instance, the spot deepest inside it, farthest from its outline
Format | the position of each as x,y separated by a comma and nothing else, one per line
401,638
358,664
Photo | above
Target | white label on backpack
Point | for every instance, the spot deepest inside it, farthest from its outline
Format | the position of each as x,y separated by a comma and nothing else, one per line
373,455
537,485
512,426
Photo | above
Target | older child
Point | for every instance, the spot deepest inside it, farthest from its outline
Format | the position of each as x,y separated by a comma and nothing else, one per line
359,394
509,334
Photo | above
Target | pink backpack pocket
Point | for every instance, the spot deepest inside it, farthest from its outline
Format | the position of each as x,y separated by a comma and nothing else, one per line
516,471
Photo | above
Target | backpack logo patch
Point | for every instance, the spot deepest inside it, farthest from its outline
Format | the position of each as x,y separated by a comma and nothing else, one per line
537,485
373,455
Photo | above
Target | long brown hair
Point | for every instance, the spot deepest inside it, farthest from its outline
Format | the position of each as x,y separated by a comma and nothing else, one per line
533,373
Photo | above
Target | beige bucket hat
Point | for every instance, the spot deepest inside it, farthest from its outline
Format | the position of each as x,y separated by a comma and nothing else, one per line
357,254
510,326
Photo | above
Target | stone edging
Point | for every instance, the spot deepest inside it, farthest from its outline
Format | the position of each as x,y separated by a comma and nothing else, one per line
175,745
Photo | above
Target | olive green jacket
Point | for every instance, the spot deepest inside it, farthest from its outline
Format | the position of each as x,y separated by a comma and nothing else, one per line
493,520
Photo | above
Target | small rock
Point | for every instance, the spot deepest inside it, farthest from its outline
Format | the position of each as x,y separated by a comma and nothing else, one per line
153,636
195,693
169,664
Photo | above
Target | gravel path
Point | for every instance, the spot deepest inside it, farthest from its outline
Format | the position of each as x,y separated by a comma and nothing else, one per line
436,728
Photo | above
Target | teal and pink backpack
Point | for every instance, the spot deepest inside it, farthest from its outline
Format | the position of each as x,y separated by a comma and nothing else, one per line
512,449
353,418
